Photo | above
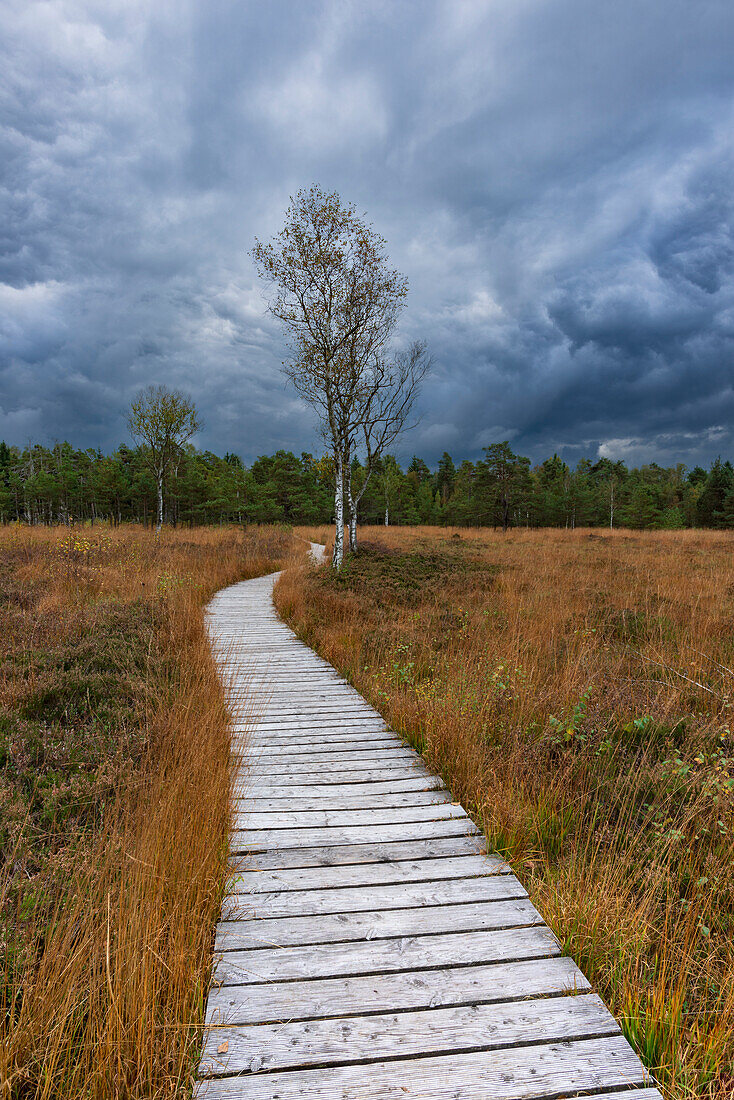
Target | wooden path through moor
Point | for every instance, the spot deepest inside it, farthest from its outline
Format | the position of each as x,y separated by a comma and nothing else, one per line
368,948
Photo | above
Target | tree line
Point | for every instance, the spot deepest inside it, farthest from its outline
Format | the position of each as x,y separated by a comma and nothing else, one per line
62,484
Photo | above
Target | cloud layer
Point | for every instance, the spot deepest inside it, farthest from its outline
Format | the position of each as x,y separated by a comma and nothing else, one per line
554,179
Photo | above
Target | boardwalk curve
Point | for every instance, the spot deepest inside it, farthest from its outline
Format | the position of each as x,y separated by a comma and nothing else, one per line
368,948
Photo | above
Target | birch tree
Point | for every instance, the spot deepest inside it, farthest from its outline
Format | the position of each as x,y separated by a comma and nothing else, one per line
389,479
161,421
338,301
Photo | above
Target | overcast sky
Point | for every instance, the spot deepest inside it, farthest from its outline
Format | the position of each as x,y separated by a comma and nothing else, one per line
555,178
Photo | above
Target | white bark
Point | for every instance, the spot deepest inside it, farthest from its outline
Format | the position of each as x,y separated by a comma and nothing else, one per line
338,556
352,504
353,500
159,485
611,507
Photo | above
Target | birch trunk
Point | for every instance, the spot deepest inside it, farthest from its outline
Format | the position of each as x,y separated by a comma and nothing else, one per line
387,516
353,502
611,508
338,556
351,506
159,522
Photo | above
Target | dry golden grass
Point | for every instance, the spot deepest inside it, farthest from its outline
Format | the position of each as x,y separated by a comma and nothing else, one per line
108,912
575,691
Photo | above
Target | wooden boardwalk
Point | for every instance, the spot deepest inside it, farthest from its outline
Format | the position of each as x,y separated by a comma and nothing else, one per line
368,949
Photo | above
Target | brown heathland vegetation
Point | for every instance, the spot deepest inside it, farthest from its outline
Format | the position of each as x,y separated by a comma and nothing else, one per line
114,803
575,690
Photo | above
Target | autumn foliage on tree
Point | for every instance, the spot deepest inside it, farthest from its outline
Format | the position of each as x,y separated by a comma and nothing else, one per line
338,300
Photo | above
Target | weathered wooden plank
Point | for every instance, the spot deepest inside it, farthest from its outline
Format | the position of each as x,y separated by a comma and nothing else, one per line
316,728
394,754
256,614
336,773
309,738
235,651
635,1093
273,751
262,762
390,762
363,734
334,708
374,896
340,801
271,671
315,722
271,744
278,710
342,927
324,701
242,621
265,662
311,680
300,715
261,765
311,721
262,669
276,717
517,1073
353,1039
331,856
249,840
234,633
306,672
309,673
452,870
233,622
266,789
330,697
314,737
309,699
275,646
301,819
304,659
297,649
323,717
381,956
324,698
398,992
277,670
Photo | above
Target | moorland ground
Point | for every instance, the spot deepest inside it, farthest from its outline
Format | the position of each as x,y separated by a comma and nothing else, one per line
574,689
114,802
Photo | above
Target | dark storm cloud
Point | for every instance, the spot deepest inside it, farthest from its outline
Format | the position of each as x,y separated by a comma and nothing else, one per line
555,179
